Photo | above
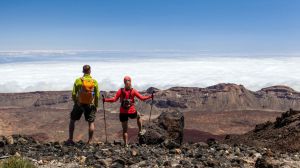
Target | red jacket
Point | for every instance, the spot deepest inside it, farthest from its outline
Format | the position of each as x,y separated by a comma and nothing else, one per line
134,93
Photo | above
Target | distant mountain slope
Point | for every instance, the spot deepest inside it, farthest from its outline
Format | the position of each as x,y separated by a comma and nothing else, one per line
229,97
221,97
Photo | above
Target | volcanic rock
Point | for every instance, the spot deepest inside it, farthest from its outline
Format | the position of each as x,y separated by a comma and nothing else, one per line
281,135
9,140
151,90
265,162
187,155
167,129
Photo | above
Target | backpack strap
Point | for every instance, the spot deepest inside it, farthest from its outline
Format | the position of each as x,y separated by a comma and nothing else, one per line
81,78
130,93
124,94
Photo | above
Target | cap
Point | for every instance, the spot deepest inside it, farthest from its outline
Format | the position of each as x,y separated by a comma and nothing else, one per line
86,68
127,78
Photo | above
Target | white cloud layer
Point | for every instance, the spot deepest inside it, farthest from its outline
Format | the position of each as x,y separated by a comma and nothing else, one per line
254,73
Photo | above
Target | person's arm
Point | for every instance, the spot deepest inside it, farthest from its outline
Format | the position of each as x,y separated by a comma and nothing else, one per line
115,98
75,90
141,97
97,94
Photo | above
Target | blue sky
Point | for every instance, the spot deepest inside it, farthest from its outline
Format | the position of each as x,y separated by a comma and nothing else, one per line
216,26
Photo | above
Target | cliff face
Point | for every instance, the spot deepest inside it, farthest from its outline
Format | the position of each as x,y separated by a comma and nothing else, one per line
217,98
229,97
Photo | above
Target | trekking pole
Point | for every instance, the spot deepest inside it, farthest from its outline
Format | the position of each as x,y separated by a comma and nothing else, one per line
151,106
104,120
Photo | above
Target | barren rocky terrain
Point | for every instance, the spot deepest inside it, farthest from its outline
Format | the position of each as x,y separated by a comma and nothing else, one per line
209,112
224,125
162,146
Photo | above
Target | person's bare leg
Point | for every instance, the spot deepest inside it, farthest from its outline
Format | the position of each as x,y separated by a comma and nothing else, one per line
125,134
91,131
71,129
139,123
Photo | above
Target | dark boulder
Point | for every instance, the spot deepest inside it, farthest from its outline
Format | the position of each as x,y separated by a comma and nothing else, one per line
265,162
287,118
119,163
166,129
2,142
151,90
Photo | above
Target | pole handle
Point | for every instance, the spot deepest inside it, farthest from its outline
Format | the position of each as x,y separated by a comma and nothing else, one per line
152,94
104,119
103,98
151,105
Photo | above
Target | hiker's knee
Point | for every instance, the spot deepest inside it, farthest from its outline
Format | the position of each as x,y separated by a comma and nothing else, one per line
92,126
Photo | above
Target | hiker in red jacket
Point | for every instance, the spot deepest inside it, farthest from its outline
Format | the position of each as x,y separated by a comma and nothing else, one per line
127,108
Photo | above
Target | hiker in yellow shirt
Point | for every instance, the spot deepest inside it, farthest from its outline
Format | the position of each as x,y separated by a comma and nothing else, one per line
85,95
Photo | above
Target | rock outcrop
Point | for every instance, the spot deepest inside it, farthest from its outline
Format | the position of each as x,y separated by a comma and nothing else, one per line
281,135
167,128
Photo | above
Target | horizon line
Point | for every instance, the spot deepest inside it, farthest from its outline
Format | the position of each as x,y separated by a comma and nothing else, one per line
78,51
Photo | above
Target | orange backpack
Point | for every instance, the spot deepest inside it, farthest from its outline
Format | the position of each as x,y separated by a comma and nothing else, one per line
86,93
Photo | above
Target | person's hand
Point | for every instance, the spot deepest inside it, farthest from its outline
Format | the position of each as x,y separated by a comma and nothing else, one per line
152,95
103,99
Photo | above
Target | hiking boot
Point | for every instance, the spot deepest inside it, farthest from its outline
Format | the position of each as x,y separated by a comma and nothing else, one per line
89,142
69,142
142,132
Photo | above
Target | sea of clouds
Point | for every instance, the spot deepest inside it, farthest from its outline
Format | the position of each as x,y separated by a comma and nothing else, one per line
35,71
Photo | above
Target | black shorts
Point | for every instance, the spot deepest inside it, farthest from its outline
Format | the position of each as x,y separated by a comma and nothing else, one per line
88,110
124,117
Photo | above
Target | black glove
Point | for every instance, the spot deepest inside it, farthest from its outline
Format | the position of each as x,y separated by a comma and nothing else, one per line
103,99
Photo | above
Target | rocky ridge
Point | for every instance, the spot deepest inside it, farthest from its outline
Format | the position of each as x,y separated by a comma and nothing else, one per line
220,97
281,135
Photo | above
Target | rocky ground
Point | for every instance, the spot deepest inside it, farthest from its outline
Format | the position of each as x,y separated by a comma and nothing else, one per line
160,146
281,135
210,154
